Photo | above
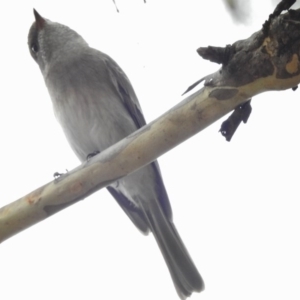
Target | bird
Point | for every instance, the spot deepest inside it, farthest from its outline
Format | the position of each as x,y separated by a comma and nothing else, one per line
96,106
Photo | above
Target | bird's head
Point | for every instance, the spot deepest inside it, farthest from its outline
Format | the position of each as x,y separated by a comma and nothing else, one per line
51,42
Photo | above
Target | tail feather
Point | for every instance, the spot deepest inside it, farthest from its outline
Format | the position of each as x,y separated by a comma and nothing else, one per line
184,273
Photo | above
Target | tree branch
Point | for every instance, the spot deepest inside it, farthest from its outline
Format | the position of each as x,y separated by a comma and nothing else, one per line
268,60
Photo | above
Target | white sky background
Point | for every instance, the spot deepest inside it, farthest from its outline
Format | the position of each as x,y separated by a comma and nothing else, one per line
235,204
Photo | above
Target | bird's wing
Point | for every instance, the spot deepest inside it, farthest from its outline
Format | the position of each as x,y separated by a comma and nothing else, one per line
131,103
125,91
134,214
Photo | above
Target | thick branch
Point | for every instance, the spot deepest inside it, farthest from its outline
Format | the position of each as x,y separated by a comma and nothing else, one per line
258,64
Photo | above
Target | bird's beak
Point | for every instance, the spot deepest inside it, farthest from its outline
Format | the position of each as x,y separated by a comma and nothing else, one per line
39,20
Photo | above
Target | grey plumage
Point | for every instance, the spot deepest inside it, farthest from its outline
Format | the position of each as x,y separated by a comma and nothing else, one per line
96,106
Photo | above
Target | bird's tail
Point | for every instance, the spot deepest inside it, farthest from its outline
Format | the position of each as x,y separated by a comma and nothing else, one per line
184,273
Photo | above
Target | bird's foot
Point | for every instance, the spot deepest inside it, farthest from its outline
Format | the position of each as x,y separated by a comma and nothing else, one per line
57,175
89,156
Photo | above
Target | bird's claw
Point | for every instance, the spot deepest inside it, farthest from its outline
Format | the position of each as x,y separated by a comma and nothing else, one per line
89,156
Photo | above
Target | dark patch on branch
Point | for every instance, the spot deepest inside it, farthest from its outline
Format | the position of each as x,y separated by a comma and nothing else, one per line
223,94
52,209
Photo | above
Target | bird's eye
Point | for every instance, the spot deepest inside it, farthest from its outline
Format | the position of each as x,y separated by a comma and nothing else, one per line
34,48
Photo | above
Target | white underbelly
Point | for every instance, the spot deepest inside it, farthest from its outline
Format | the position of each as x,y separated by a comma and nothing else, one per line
91,125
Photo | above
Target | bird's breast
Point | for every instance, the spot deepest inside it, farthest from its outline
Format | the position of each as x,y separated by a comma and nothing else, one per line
92,118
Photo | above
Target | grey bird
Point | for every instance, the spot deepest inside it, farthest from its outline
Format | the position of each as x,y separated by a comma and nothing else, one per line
96,106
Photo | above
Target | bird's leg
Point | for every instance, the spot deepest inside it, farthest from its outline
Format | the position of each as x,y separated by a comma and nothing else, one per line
90,155
57,175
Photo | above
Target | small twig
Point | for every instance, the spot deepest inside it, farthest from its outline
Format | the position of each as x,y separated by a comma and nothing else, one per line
281,6
116,6
219,55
